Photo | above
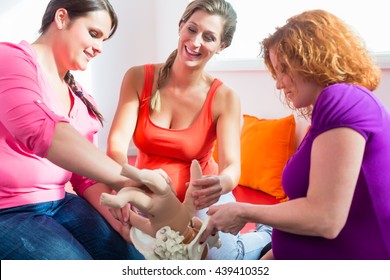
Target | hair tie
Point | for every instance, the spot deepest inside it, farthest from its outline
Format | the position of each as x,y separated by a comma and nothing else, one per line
79,93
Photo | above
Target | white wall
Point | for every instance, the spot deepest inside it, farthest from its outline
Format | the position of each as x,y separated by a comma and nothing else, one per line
157,21
259,96
134,43
148,33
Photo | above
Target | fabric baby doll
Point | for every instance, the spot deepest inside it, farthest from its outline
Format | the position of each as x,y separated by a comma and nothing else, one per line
166,228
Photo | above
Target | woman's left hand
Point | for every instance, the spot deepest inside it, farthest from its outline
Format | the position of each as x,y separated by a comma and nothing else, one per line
124,231
208,191
123,216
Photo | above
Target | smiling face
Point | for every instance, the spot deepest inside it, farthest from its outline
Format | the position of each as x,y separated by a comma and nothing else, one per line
81,39
200,38
302,92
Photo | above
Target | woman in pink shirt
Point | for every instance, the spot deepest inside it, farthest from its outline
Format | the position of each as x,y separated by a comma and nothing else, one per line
48,127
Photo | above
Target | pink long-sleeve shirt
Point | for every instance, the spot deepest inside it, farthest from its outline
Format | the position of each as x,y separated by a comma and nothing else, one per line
29,112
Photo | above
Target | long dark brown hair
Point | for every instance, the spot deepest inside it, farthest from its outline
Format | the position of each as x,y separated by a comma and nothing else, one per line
77,9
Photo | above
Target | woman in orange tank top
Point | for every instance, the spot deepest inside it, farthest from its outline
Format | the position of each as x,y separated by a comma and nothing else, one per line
175,111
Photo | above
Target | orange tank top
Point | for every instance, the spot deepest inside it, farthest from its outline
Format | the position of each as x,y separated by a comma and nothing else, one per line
173,150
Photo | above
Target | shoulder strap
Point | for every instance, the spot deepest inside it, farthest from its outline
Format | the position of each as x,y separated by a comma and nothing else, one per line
148,83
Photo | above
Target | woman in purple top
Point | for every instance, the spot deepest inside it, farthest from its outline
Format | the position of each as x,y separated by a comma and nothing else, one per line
338,181
48,128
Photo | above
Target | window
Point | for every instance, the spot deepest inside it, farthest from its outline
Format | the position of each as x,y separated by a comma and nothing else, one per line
256,19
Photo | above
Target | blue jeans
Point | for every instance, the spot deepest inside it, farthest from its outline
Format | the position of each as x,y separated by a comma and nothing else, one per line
246,246
67,229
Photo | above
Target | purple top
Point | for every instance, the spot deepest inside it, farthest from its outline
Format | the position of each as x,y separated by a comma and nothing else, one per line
366,234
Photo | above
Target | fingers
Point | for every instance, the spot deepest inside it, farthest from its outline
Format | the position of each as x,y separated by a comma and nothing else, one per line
210,229
207,196
221,220
125,213
207,232
113,213
141,223
204,236
212,210
207,186
206,201
121,214
206,181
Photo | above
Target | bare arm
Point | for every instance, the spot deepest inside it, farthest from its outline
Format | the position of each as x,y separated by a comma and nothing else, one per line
227,115
336,160
73,152
228,135
126,115
335,165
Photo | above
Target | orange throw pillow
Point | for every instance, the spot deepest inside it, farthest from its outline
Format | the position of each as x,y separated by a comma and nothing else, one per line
266,145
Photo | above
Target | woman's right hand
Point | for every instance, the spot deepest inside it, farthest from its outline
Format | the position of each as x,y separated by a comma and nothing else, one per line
208,191
123,216
224,217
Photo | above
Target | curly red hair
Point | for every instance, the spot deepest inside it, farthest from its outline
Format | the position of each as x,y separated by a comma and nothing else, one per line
321,47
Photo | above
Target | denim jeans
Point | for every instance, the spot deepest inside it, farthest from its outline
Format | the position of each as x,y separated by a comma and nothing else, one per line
246,246
67,229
